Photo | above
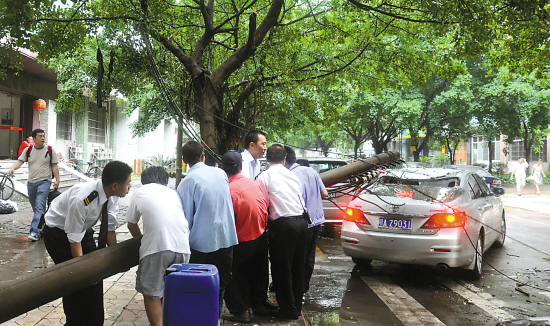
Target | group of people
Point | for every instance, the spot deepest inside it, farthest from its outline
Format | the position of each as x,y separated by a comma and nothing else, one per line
215,216
519,171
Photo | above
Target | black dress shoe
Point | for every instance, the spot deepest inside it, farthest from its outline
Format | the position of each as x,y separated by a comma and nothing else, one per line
271,305
245,317
278,314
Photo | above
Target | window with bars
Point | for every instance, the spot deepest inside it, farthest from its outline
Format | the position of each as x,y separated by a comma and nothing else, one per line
97,118
64,125
516,151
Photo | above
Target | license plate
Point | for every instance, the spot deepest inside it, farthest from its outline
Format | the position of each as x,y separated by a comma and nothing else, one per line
394,223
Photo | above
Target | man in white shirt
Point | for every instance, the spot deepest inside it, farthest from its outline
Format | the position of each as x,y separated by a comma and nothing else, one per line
255,147
519,171
165,236
68,234
287,232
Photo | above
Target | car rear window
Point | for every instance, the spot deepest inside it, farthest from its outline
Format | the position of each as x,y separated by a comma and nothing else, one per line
444,189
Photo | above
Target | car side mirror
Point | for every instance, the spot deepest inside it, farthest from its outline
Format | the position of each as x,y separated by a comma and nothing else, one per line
498,191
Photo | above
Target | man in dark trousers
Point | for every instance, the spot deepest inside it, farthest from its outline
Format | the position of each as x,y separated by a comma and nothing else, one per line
314,192
250,210
68,234
208,208
287,232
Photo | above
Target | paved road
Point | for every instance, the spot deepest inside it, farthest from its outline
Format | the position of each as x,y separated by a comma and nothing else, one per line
397,294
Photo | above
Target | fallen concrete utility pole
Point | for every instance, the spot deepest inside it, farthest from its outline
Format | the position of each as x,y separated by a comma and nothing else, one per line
39,288
343,173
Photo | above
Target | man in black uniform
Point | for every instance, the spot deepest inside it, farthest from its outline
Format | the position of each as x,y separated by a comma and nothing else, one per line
68,234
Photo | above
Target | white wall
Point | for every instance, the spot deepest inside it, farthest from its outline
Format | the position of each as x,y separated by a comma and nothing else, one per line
128,148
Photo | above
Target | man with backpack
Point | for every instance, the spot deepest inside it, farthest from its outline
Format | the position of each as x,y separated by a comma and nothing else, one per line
42,162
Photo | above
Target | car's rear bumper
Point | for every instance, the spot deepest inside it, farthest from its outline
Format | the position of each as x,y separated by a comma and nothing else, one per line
449,246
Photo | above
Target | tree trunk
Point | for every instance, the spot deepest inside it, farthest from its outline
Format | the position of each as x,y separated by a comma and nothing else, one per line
178,154
356,146
207,99
490,144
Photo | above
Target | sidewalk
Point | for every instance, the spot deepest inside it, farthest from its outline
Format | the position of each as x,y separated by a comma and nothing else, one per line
123,305
528,200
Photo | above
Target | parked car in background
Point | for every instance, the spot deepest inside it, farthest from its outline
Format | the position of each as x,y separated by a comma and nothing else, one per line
434,217
489,179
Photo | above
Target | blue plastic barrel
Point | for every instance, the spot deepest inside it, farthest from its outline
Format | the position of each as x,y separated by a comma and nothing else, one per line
191,295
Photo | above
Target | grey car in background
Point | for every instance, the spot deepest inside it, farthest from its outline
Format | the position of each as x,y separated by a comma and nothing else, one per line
433,217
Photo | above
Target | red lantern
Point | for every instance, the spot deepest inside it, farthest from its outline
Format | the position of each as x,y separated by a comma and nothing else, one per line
39,105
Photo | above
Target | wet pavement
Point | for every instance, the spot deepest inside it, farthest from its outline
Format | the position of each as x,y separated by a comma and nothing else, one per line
341,293
20,257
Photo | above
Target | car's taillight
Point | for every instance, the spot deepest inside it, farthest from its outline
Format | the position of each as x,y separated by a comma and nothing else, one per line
407,194
355,215
496,181
445,220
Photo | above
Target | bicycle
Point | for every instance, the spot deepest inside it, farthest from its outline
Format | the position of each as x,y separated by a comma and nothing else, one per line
94,171
6,186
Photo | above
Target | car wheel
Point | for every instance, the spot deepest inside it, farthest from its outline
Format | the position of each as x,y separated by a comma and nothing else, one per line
361,261
475,274
500,240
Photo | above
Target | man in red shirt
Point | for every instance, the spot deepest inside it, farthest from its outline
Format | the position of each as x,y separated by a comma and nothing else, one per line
26,143
250,207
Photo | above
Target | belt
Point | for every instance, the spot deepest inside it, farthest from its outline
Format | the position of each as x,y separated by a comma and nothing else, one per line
299,217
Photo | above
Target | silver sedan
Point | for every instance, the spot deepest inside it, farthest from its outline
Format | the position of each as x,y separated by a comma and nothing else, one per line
434,217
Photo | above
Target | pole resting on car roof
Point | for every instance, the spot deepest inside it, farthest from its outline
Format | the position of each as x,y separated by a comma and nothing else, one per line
359,167
34,290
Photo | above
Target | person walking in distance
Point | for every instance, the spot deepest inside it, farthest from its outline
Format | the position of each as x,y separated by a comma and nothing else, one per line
538,173
26,143
165,236
283,190
42,162
255,147
519,172
207,205
242,297
68,234
314,192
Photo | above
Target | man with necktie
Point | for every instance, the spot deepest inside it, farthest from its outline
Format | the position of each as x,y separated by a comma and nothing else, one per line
68,234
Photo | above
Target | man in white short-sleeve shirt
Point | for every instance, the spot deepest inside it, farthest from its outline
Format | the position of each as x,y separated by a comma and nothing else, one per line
255,147
165,236
68,234
519,172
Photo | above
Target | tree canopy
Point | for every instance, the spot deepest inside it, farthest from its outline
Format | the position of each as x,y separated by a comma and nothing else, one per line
235,65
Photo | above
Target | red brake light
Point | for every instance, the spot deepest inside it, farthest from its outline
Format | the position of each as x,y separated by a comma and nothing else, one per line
355,215
408,194
445,220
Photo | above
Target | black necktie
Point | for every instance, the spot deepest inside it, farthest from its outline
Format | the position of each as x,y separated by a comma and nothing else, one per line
102,239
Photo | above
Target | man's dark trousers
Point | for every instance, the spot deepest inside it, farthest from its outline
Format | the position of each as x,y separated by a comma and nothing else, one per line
287,248
222,259
85,306
311,247
242,290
